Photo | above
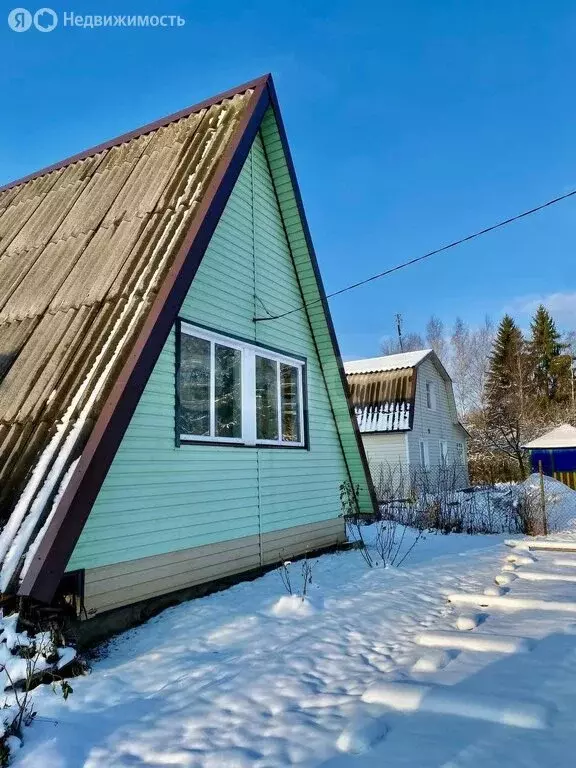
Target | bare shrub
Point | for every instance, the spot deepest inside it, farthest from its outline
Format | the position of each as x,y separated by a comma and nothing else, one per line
529,512
389,542
306,571
388,546
435,499
489,468
285,576
354,519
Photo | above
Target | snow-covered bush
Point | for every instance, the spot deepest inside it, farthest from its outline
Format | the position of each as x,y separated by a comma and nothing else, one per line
25,662
296,603
548,512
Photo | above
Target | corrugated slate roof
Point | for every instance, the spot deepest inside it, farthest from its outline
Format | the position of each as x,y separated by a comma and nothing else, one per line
84,249
387,362
383,401
563,436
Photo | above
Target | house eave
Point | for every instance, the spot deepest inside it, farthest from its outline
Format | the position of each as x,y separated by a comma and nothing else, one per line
386,431
462,427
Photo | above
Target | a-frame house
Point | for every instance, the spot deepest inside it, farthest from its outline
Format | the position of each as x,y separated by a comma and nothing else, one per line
173,406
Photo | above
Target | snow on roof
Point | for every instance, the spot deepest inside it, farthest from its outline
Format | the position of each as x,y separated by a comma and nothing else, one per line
563,436
386,417
387,362
383,400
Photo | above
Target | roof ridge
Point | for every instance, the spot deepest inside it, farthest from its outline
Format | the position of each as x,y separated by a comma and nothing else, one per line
147,128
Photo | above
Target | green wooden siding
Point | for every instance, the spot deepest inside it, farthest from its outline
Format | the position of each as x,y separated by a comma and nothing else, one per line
315,309
159,498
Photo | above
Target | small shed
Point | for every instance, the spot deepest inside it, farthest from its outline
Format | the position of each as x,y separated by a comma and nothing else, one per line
555,452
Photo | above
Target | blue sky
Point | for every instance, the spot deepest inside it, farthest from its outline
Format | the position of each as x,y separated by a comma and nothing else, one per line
411,124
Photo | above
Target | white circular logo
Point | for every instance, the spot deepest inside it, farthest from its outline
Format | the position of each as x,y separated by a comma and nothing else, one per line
19,20
45,20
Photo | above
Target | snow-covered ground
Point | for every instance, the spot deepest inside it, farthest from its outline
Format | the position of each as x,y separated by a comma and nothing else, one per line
378,668
559,500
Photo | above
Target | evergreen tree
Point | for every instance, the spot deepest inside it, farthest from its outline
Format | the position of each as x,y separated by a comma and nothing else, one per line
507,391
506,360
551,364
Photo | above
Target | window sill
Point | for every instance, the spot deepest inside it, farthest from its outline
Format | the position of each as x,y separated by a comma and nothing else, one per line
239,444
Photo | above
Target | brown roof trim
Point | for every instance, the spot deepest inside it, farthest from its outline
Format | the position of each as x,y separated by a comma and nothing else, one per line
314,260
413,399
49,564
258,82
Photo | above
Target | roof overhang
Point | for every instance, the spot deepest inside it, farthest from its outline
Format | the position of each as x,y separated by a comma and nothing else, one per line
463,428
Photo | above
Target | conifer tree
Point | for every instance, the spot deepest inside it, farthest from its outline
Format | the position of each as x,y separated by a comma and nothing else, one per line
507,391
551,364
507,358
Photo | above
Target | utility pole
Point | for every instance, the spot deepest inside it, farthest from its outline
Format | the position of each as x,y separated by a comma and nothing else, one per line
399,329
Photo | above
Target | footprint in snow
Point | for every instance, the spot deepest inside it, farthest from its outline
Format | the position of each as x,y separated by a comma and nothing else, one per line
363,733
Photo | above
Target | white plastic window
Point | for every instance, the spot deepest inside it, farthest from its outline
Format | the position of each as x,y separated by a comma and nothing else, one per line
235,392
460,453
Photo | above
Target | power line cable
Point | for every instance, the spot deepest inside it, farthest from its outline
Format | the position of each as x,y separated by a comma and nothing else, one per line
409,263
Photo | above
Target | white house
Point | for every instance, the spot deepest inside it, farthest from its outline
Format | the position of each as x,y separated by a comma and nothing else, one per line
407,417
